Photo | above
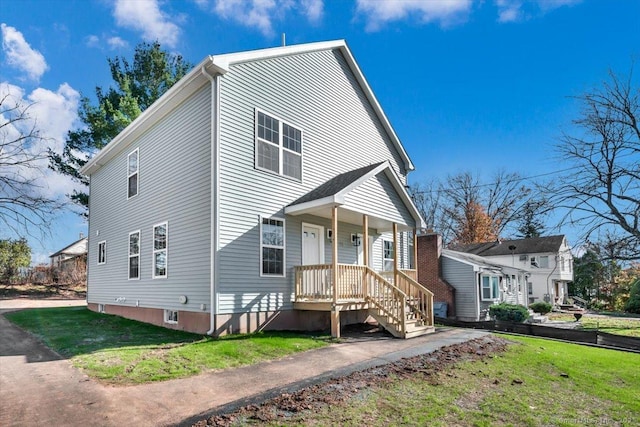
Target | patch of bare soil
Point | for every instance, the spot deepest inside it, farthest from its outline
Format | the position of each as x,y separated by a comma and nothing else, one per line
339,390
43,291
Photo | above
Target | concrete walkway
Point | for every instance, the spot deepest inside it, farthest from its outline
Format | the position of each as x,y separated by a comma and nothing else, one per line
38,387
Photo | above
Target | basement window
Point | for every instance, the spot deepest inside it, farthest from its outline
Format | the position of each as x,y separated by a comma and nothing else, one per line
171,316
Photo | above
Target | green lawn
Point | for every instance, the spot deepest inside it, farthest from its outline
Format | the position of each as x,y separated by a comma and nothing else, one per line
534,383
612,325
121,351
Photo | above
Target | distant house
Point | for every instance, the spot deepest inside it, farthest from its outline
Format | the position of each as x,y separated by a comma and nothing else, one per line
548,260
70,255
467,283
265,190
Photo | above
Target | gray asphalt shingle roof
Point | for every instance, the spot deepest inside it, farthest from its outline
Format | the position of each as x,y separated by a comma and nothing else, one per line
522,246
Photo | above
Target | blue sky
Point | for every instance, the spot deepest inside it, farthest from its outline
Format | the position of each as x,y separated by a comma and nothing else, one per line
468,86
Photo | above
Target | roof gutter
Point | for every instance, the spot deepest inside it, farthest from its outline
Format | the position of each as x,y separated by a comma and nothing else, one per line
215,187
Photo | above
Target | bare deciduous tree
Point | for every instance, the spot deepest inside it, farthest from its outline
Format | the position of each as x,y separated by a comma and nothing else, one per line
447,206
602,192
24,209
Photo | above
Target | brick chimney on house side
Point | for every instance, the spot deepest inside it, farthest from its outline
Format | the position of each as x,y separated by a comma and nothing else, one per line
429,253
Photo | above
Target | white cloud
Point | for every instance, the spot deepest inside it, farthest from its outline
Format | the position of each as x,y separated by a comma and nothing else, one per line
146,16
53,114
262,14
117,43
313,10
92,41
445,12
518,10
21,55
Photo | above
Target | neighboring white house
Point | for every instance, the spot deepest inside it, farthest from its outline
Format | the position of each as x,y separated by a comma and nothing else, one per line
64,257
548,261
264,190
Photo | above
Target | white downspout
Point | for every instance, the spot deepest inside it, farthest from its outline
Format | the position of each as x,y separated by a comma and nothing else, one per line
215,187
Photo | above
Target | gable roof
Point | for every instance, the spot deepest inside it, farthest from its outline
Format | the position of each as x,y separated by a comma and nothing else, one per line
333,191
530,245
220,65
79,250
336,184
476,260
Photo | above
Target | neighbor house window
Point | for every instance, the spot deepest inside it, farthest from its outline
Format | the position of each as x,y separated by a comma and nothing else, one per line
278,146
490,288
134,255
272,246
170,316
102,252
387,255
544,261
160,250
132,173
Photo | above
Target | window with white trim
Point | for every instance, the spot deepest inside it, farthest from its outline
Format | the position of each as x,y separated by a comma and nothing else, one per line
278,146
543,261
490,287
132,173
134,255
170,316
102,252
387,255
160,243
272,245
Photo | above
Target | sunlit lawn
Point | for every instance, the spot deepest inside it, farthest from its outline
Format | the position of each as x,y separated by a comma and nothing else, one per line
612,325
122,351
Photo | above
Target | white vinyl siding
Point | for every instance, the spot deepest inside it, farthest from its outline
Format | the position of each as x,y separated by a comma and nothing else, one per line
102,252
272,247
134,255
133,163
278,146
160,256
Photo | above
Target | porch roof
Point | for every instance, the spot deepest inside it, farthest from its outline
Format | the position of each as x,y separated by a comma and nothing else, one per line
481,263
340,191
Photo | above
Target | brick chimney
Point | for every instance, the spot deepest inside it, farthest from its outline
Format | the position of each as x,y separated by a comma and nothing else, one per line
429,252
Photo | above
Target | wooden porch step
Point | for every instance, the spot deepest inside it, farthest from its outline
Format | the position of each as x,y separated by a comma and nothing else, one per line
418,331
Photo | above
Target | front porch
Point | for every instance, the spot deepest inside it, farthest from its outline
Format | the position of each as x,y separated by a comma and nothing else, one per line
372,197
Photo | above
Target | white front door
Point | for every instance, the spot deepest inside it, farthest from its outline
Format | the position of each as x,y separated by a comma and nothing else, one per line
312,244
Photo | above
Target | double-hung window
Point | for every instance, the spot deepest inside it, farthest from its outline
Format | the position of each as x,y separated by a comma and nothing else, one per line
132,173
160,237
102,252
272,244
490,288
278,146
387,255
134,255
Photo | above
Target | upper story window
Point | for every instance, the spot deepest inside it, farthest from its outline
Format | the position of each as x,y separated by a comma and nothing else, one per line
132,173
544,262
272,245
102,252
134,255
278,146
160,250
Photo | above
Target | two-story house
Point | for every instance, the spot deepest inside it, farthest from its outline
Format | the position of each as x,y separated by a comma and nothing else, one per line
548,260
264,190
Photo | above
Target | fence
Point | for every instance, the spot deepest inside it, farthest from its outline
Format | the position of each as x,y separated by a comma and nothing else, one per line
579,336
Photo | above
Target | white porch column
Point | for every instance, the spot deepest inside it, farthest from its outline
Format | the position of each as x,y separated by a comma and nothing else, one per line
335,312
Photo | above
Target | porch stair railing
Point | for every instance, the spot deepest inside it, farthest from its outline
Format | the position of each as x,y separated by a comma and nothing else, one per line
401,305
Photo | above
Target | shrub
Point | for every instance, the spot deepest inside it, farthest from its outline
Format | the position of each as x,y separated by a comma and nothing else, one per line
541,307
509,312
633,303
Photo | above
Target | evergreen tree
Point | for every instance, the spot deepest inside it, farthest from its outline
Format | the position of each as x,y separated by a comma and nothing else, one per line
137,86
530,224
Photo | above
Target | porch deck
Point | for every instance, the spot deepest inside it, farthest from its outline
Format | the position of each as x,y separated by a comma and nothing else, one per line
395,299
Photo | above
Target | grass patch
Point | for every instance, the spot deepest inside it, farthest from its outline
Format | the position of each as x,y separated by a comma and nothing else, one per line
534,383
612,325
122,351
